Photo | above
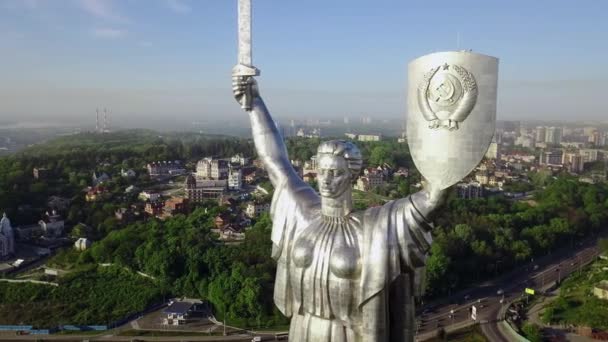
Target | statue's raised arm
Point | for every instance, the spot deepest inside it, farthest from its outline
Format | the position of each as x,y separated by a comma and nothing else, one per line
268,141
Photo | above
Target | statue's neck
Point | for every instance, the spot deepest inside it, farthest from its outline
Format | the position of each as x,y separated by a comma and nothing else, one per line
337,207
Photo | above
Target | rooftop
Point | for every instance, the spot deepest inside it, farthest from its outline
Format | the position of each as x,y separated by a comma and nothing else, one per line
178,308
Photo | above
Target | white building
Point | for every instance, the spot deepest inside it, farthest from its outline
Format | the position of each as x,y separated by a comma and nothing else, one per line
7,238
235,179
553,135
209,168
541,133
369,137
256,209
239,159
492,152
148,195
574,162
469,190
590,155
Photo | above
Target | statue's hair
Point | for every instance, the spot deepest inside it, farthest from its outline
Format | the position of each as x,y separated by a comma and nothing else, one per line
345,149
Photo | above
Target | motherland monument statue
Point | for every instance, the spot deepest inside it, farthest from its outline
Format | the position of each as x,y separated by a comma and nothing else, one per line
345,275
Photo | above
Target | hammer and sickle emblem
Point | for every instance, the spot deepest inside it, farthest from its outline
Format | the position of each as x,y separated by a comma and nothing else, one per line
451,92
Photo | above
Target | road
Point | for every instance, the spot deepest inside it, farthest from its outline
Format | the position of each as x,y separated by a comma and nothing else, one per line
485,298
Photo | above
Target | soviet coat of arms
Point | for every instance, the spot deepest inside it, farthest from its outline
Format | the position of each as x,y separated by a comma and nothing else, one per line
446,96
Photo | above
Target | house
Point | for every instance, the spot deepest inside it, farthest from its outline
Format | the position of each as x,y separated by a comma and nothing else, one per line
125,215
249,175
235,179
174,206
222,220
178,313
52,224
259,164
372,179
309,177
100,179
209,168
199,190
402,172
231,232
239,159
154,208
227,201
128,173
470,190
41,173
255,209
165,168
96,193
601,290
149,195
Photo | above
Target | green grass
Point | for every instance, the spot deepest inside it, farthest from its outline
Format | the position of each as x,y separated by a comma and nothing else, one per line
576,303
89,296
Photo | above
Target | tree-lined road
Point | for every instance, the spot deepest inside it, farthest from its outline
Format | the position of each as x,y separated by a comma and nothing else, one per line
486,297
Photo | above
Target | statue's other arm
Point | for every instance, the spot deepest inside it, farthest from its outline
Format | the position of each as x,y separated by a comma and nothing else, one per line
419,211
267,139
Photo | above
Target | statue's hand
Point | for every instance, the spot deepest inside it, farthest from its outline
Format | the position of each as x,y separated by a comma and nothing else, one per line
244,86
427,200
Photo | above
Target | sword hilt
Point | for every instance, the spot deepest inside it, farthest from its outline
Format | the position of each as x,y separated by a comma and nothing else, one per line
245,70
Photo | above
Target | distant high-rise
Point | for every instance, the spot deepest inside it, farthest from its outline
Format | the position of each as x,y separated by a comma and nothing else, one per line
574,162
492,152
552,157
540,134
595,138
553,135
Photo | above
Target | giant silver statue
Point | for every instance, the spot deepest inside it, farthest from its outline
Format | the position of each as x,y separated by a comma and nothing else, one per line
343,275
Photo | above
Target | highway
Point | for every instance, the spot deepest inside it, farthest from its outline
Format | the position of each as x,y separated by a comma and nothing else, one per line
538,276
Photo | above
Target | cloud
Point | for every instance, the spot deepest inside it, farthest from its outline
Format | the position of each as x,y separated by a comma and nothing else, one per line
102,9
144,44
109,33
178,6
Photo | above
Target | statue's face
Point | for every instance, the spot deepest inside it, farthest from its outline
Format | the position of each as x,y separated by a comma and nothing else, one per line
333,175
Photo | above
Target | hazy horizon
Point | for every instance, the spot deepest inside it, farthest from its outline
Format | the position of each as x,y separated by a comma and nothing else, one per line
169,62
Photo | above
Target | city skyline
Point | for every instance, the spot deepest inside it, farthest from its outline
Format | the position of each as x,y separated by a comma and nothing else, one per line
170,61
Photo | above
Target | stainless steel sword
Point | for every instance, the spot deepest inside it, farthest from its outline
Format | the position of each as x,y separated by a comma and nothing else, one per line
244,66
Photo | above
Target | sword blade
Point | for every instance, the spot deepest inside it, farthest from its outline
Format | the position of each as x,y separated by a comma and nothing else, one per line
244,13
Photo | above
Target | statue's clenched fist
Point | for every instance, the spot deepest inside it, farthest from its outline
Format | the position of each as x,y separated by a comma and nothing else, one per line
245,89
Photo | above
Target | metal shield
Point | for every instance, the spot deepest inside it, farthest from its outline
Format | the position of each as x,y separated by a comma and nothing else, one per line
451,117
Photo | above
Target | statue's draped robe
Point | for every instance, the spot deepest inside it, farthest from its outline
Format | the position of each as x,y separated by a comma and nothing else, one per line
393,242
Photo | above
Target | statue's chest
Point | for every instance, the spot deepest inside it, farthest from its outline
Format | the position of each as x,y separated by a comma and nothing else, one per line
326,259
330,245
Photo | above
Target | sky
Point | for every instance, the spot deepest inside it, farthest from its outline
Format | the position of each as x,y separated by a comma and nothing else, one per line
170,60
